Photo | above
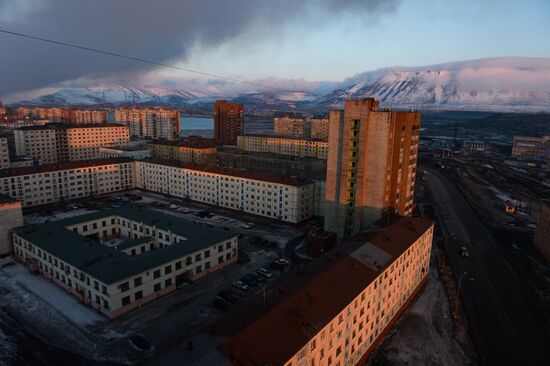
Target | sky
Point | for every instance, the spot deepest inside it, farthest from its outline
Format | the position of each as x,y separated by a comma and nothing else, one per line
325,40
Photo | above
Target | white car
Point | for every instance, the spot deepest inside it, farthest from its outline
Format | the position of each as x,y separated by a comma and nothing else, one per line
173,207
264,272
249,225
240,285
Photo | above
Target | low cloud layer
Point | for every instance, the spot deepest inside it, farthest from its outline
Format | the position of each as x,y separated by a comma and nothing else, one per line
160,30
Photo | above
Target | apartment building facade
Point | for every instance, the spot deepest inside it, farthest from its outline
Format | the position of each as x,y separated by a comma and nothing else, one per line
343,313
4,153
316,128
278,198
371,167
154,123
193,149
228,122
46,184
120,259
284,145
64,115
526,147
12,217
54,143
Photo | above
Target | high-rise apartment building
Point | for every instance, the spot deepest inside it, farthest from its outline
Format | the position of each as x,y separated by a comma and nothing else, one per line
228,122
54,143
316,128
371,165
154,123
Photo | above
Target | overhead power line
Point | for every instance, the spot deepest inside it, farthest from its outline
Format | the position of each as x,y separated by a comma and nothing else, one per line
138,59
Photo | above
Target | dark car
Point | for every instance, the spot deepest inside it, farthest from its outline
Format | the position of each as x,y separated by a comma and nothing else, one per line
221,304
258,277
250,280
203,214
228,296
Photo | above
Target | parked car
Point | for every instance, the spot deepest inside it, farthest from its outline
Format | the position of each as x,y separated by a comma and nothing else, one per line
240,285
250,280
186,211
280,264
258,277
173,207
249,225
446,217
264,272
203,214
228,296
452,236
464,252
221,304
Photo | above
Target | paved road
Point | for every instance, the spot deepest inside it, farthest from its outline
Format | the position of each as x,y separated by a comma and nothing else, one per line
507,325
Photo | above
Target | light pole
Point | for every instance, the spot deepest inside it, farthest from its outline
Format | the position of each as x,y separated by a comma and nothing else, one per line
458,290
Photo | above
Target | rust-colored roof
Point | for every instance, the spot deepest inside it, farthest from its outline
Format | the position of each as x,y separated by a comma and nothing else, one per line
66,165
279,334
240,173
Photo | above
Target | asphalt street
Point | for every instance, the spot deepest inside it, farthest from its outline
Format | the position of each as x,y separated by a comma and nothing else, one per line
507,325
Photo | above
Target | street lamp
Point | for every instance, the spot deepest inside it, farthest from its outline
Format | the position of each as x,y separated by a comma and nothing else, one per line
458,290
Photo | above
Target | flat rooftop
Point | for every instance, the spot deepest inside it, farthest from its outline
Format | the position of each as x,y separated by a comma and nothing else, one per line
108,264
280,332
195,142
66,165
229,150
283,137
68,126
240,173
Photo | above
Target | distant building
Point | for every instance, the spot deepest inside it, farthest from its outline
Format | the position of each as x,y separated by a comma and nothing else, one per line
12,124
54,143
51,183
11,216
341,315
316,128
301,167
153,123
64,115
474,146
542,234
22,160
531,147
292,146
4,153
371,166
228,122
193,149
119,259
132,152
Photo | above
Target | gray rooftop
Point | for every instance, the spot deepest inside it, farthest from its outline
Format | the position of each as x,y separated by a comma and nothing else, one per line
108,264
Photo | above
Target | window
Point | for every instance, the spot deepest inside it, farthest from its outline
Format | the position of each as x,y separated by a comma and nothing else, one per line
137,281
125,300
156,274
138,295
207,254
168,269
124,287
197,257
168,282
157,287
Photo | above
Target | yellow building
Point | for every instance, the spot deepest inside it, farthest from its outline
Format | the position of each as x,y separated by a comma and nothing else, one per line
193,149
371,167
342,314
284,145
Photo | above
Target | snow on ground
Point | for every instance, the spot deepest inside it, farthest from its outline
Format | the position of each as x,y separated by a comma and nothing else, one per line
58,215
8,349
424,335
18,276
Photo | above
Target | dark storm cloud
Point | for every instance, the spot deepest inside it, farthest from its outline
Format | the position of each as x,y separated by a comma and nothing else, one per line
159,30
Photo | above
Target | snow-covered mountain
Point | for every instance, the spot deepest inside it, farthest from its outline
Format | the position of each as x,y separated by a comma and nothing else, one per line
501,84
498,84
